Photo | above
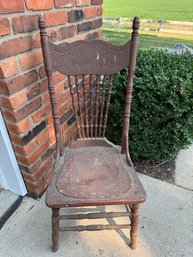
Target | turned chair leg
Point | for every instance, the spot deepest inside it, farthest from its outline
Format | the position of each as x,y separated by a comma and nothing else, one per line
55,229
134,222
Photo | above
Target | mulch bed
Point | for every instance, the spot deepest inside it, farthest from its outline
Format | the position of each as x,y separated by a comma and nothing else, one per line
164,171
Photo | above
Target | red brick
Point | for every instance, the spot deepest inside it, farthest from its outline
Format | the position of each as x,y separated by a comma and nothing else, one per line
90,13
36,89
21,127
11,86
42,171
9,68
92,35
97,23
99,11
78,37
15,46
58,77
9,115
68,104
60,99
96,2
42,72
46,98
64,3
44,85
62,109
55,18
67,93
35,166
38,152
28,160
31,168
24,23
38,187
50,119
37,191
4,26
33,91
30,188
75,15
30,60
40,138
15,101
15,139
67,115
72,130
24,125
47,165
38,115
49,152
84,27
52,137
59,89
28,109
83,2
36,41
26,176
37,5
52,34
27,149
11,6
63,128
66,32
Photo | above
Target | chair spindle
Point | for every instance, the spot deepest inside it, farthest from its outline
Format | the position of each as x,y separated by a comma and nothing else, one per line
102,105
79,105
72,92
97,104
85,105
91,106
107,105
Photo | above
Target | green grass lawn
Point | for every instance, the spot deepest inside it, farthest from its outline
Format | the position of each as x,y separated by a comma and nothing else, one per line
145,41
178,10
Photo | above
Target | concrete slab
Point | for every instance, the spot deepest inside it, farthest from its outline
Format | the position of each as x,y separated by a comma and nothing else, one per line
184,168
7,198
165,229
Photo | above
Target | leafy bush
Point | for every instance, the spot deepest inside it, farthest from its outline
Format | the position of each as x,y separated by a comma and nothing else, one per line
162,106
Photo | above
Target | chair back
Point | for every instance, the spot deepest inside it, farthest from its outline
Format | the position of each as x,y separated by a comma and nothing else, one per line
89,66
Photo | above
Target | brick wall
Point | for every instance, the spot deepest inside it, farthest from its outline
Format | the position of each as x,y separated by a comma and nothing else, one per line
24,98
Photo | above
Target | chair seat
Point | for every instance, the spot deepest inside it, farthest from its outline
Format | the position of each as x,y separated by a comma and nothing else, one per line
94,175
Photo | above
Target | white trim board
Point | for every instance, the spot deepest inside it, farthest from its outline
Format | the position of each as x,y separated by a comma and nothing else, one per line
10,174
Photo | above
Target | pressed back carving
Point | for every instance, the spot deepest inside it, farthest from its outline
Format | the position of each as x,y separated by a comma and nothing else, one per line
89,57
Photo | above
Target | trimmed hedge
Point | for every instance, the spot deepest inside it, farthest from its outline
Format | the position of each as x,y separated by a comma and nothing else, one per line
162,106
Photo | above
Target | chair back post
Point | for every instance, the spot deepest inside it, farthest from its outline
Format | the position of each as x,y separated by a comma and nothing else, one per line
48,70
128,98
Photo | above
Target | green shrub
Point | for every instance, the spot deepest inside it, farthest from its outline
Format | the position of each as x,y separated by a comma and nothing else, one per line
162,106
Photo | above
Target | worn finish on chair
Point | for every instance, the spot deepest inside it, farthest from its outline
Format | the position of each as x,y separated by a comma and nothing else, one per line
92,171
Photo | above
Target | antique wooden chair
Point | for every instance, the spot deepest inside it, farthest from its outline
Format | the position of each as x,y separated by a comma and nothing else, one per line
92,171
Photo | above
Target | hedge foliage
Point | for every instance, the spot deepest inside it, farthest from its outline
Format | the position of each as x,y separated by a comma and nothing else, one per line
162,106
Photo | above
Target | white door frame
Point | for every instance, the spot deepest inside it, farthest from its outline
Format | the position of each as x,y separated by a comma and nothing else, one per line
10,174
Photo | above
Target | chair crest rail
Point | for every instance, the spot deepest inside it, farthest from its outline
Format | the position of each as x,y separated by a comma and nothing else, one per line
99,57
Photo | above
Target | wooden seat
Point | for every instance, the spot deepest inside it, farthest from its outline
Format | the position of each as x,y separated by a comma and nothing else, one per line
104,178
92,171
